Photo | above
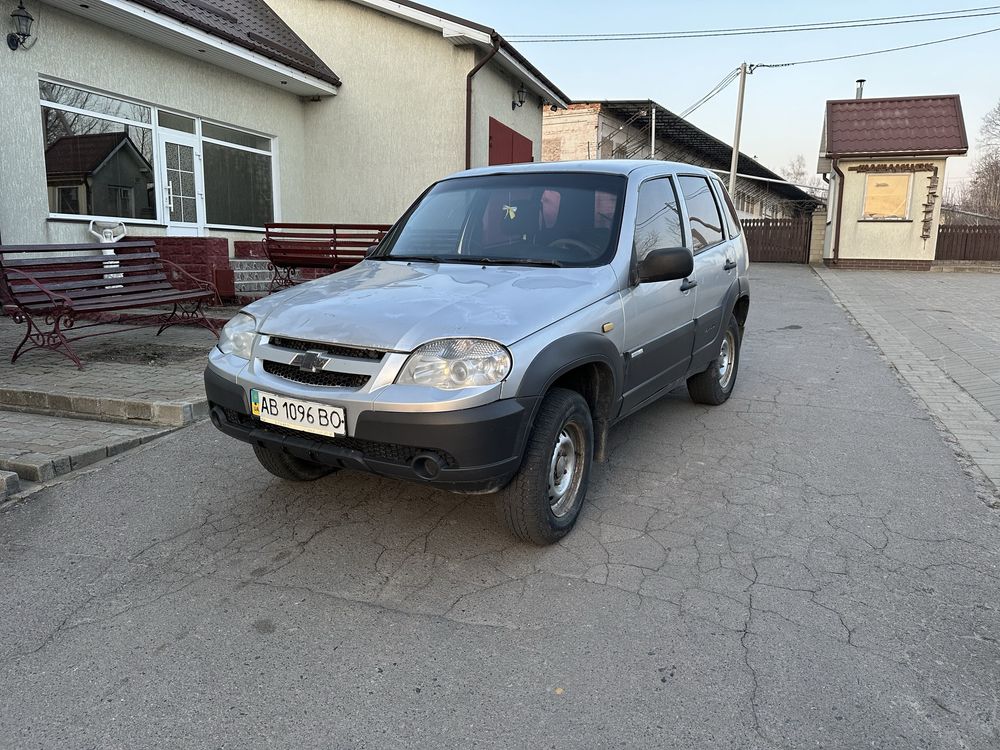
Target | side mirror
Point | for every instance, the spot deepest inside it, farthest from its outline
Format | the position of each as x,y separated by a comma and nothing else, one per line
370,250
666,264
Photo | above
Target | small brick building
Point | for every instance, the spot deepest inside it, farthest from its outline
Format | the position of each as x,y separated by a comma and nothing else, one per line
885,159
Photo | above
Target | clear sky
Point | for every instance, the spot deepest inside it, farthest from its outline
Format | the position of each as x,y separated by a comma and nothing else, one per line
783,113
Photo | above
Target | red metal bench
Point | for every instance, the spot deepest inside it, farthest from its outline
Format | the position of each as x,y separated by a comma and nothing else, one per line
331,246
57,285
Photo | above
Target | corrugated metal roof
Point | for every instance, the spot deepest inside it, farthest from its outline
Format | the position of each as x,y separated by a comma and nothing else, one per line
250,24
897,126
718,155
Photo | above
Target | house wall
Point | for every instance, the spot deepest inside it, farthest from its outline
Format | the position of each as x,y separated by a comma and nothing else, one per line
70,48
892,240
398,121
493,90
570,134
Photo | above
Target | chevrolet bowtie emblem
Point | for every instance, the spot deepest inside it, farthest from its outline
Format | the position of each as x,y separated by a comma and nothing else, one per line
310,361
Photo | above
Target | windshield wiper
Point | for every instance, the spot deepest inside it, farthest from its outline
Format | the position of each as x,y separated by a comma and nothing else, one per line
482,261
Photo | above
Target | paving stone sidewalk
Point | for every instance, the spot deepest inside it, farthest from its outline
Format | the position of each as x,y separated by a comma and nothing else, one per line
38,448
128,375
942,334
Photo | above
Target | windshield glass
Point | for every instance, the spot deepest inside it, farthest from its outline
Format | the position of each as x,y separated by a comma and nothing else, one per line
537,218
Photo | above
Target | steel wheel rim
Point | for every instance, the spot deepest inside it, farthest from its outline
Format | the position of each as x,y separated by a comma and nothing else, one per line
727,360
565,469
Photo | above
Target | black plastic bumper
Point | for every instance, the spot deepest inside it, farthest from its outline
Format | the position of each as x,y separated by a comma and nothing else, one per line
469,450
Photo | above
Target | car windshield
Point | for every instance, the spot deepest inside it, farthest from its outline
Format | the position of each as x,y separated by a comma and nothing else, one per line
533,218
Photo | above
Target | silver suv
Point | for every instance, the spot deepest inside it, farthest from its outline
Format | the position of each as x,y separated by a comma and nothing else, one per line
505,323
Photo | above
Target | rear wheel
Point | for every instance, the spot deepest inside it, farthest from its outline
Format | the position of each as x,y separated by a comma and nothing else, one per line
542,502
715,385
290,468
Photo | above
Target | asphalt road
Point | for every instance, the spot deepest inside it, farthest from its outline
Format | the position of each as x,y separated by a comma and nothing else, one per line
805,566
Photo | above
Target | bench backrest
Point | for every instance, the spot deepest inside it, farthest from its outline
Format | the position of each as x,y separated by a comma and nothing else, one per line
79,272
320,245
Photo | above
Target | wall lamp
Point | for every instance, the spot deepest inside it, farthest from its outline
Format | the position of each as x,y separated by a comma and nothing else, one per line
522,94
22,27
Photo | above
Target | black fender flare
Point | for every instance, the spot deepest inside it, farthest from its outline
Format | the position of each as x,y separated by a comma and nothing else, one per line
568,353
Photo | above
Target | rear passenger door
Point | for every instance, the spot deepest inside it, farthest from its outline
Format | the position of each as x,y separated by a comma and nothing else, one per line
659,327
714,264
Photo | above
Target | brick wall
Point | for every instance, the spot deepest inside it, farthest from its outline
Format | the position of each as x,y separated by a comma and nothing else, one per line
876,264
817,236
248,249
199,256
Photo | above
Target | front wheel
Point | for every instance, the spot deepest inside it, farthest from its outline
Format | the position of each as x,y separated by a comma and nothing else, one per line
715,385
542,502
289,467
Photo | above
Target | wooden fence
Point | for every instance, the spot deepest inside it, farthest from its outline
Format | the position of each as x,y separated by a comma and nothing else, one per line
778,240
956,242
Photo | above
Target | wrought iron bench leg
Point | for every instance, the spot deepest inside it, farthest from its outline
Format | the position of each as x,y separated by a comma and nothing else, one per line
53,340
281,278
184,313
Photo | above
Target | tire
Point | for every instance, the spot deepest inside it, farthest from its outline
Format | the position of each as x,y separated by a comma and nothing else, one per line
561,439
289,467
715,385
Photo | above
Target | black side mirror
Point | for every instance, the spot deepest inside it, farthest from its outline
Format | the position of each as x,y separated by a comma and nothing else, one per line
666,264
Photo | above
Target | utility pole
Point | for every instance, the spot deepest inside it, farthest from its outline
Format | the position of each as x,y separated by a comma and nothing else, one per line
736,138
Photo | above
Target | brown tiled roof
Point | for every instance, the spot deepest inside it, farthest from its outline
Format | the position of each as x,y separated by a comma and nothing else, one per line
80,154
250,24
895,126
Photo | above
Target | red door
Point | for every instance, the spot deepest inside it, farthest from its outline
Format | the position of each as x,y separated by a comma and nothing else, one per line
507,146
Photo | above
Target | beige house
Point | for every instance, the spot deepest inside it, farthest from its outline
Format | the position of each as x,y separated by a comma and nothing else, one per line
210,118
885,159
643,129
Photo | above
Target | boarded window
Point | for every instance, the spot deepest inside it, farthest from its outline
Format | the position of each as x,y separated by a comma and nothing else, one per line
887,196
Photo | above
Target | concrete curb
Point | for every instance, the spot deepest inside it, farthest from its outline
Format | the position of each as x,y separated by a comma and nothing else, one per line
167,413
42,467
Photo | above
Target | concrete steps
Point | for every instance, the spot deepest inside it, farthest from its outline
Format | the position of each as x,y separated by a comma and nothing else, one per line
252,277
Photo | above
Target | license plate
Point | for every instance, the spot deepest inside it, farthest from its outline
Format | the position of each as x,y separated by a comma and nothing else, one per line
307,416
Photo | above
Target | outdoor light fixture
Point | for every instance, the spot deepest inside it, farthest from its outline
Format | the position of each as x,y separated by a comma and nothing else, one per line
522,94
22,27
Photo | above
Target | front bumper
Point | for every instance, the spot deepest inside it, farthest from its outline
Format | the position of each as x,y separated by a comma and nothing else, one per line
467,450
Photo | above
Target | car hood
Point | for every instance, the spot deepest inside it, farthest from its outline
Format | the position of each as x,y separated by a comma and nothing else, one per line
398,305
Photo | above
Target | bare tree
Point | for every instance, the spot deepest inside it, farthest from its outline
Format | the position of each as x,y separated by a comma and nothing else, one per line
981,194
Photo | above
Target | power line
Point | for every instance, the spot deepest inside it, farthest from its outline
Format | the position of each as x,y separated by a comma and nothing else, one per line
875,52
990,10
718,89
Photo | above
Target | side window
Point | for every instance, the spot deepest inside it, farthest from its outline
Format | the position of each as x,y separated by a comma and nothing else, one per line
657,221
703,212
732,220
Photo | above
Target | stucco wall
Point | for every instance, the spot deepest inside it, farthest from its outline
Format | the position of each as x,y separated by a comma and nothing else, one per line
493,90
894,239
72,49
398,122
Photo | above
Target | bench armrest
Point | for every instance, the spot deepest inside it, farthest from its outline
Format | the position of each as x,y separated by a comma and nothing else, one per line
208,286
54,297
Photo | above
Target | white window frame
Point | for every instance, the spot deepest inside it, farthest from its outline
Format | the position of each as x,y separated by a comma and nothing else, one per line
153,126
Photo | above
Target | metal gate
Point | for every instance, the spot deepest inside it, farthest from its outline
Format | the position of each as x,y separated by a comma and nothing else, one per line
778,240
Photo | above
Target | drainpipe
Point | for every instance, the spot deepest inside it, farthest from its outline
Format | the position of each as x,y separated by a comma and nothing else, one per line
495,39
840,209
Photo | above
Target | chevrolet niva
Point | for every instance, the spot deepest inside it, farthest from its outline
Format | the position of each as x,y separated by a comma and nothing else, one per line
489,342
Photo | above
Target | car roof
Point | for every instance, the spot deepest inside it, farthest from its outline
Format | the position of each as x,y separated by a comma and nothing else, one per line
594,166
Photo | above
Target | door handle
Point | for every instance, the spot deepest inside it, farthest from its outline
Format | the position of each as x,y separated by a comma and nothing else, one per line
688,284
730,265
170,195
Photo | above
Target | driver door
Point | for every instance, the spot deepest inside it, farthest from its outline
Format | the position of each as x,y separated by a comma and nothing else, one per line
659,316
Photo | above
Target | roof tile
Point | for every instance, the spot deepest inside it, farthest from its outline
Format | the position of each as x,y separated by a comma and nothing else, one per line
896,126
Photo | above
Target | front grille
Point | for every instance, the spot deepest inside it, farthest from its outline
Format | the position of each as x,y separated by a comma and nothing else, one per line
335,350
323,377
388,452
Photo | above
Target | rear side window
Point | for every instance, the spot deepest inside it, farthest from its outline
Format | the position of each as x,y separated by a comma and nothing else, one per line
657,220
735,228
703,212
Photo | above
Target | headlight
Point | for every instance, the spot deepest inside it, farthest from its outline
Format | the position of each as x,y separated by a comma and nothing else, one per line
237,336
456,363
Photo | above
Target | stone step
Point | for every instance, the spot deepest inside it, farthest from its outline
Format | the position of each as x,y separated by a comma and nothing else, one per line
244,287
247,264
253,276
